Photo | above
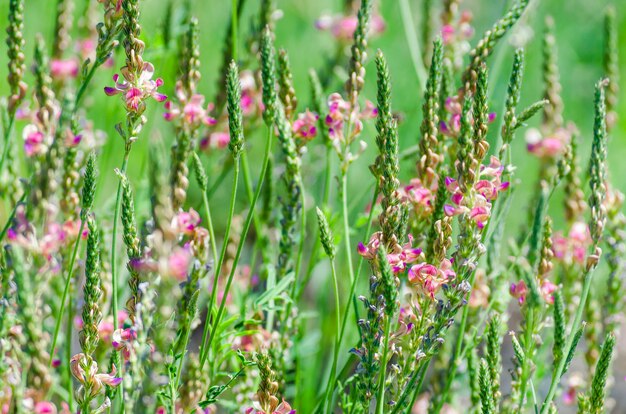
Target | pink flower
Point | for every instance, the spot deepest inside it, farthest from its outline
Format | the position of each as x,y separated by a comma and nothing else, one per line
420,197
397,259
547,289
178,263
548,146
573,248
190,111
122,341
136,91
61,69
45,407
187,222
430,278
282,408
519,291
217,140
35,141
343,27
86,372
305,125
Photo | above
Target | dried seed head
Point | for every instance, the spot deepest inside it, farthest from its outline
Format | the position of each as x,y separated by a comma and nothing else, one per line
133,47
356,71
285,83
15,54
430,154
64,22
611,66
190,58
486,44
553,111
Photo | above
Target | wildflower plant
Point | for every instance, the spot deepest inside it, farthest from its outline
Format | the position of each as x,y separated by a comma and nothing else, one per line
385,238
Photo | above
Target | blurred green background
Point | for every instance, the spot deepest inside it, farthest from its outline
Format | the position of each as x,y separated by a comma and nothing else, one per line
579,34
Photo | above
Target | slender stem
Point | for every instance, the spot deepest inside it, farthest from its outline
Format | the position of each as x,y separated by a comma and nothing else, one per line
7,141
207,212
244,233
83,86
205,335
346,225
68,355
528,351
333,370
247,181
234,29
7,225
354,282
116,214
219,180
412,43
66,289
380,399
556,375
456,357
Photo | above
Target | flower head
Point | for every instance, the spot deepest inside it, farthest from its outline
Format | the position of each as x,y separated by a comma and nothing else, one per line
136,90
305,125
189,111
429,278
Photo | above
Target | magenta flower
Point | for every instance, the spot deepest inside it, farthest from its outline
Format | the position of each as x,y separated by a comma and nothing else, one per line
187,222
61,69
305,125
420,197
178,263
85,370
136,91
429,278
189,111
547,289
44,407
573,248
548,146
36,142
519,291
282,408
343,27
121,340
215,140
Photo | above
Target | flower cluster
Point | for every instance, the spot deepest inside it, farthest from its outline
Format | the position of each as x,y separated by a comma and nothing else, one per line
548,146
85,370
520,291
305,126
459,32
429,278
486,190
421,198
190,111
572,249
398,258
136,90
343,27
340,114
454,108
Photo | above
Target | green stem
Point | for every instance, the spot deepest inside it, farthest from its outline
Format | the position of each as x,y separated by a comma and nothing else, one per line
116,214
380,399
244,233
7,225
66,289
333,370
205,335
7,141
528,351
247,181
68,355
413,44
556,375
354,283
